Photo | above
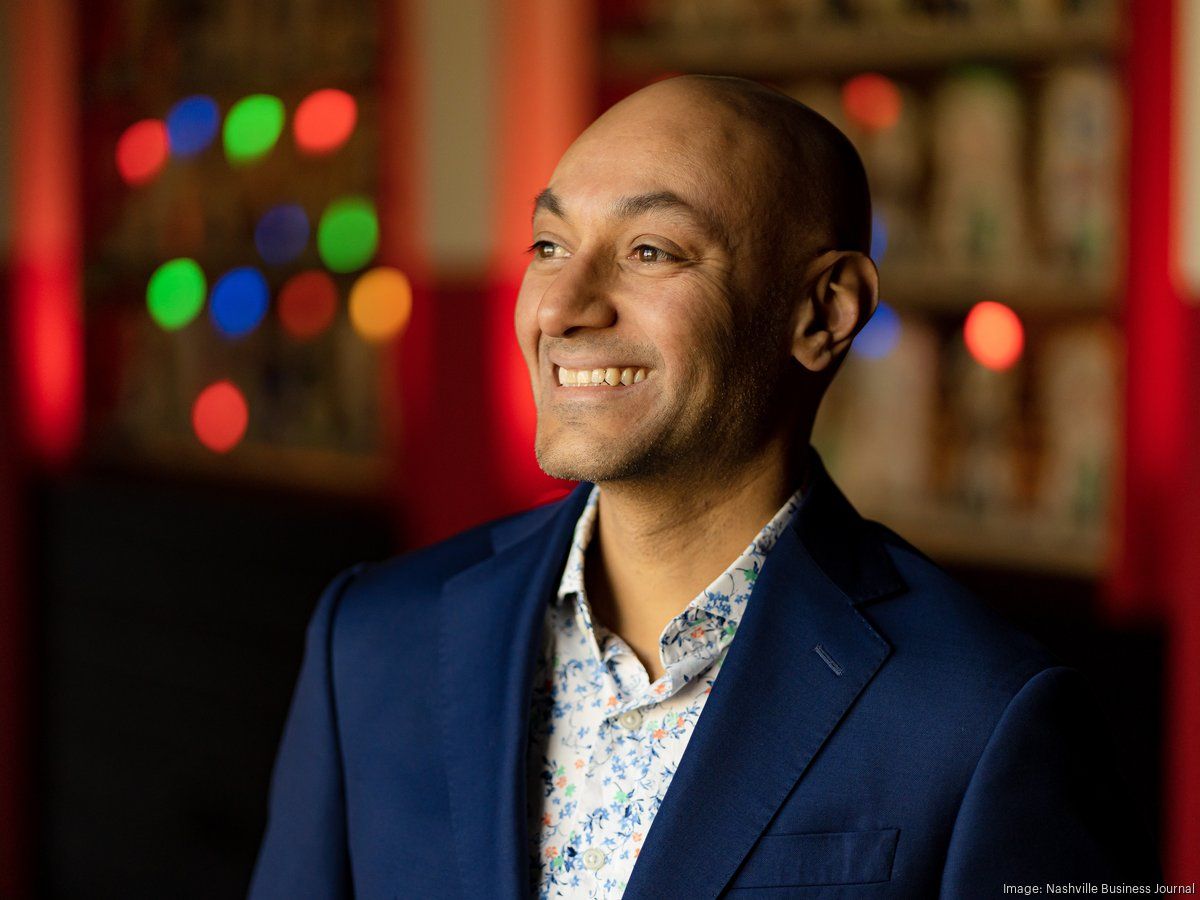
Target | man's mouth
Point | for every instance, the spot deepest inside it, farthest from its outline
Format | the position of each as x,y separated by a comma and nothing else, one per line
610,376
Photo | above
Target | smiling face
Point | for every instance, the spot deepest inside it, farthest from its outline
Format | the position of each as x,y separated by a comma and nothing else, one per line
649,317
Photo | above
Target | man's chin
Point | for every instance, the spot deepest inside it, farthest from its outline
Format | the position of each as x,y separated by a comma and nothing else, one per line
568,466
569,461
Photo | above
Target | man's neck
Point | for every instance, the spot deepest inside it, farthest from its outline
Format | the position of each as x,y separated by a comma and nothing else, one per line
657,548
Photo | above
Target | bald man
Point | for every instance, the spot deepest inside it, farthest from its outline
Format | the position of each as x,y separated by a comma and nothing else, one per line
702,673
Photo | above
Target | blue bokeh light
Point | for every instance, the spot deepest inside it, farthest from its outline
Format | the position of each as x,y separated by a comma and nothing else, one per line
879,236
239,301
881,334
282,233
192,124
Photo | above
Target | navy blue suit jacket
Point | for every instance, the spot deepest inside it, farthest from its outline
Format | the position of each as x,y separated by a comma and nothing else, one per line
874,732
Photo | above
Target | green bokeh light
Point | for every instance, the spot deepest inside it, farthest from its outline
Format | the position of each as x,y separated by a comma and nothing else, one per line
348,234
252,127
175,294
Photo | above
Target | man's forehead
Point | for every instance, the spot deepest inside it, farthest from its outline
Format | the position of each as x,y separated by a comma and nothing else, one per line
630,206
624,181
667,141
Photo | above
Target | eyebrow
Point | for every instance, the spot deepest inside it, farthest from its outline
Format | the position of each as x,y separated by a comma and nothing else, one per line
636,205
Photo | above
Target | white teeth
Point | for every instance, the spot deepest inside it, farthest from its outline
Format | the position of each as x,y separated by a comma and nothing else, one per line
611,376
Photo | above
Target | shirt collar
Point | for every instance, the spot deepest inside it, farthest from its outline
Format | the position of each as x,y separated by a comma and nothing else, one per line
718,598
585,526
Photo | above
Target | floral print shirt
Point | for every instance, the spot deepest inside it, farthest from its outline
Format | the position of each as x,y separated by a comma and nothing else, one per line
603,741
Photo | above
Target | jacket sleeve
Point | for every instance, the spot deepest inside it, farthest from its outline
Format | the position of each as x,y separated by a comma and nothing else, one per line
1046,803
303,852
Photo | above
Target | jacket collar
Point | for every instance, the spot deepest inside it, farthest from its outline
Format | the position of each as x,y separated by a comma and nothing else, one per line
825,564
490,633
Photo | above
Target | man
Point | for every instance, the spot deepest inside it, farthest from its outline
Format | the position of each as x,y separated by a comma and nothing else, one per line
506,714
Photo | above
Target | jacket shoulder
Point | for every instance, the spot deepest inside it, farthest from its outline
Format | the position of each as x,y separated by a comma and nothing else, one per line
391,585
940,624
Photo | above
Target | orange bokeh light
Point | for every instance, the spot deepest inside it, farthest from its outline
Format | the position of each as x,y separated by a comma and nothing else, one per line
307,303
380,303
872,101
220,416
324,121
142,151
994,335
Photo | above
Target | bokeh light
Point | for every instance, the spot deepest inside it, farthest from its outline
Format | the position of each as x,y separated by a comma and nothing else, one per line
175,293
192,124
142,151
324,121
282,233
307,303
239,301
380,303
348,234
872,101
881,334
220,416
252,127
879,236
994,335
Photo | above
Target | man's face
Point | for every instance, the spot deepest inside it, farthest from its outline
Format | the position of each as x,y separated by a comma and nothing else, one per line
651,268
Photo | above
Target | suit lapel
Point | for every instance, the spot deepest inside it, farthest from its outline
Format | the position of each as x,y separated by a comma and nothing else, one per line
775,700
490,627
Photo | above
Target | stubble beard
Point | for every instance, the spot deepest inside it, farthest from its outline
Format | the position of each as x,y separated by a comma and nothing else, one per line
635,456
671,448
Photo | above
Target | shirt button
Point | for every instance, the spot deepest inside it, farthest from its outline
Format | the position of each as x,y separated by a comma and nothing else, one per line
594,858
631,719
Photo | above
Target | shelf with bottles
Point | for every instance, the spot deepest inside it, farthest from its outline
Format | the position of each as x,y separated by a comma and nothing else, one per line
777,39
1022,540
990,440
988,183
940,289
269,464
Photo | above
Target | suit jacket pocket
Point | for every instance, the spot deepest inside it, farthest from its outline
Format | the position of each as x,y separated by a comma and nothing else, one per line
792,860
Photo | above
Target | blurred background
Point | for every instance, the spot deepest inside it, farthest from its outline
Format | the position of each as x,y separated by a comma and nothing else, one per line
257,268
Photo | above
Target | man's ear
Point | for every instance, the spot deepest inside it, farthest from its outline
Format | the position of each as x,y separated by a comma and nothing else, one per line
839,300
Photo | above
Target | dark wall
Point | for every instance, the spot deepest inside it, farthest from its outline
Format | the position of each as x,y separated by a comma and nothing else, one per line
1123,664
172,619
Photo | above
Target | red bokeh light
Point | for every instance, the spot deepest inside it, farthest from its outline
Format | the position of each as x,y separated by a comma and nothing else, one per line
220,416
142,151
324,121
994,335
307,304
872,101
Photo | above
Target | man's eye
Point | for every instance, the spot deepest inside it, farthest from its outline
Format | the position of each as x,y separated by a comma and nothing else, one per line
544,249
648,254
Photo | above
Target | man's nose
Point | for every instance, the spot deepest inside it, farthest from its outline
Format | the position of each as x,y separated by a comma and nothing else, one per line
578,297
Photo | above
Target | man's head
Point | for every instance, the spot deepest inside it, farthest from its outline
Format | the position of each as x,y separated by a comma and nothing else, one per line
714,234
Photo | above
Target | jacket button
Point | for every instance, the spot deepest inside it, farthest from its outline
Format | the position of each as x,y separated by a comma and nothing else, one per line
594,858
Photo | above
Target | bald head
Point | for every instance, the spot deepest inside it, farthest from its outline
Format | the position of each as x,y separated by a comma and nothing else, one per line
822,183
